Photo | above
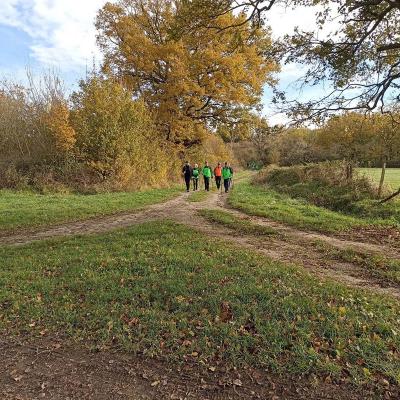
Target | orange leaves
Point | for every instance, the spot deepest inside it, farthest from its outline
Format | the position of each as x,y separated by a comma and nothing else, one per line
57,121
225,313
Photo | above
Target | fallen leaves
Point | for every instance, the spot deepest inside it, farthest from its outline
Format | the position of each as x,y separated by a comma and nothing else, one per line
225,313
237,382
16,376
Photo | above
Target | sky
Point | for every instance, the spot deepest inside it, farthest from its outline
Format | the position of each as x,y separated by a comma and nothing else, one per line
60,35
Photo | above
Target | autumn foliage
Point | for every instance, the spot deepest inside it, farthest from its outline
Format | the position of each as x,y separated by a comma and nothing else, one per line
166,90
193,79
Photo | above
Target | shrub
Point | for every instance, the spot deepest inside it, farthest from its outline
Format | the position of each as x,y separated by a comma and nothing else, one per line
324,184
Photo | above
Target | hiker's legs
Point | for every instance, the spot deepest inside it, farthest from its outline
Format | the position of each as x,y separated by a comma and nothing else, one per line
207,183
187,181
218,181
195,184
226,185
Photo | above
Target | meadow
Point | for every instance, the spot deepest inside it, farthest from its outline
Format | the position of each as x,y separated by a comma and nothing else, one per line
392,176
26,209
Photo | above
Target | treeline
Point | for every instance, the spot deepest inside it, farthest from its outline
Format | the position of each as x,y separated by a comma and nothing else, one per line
161,95
362,140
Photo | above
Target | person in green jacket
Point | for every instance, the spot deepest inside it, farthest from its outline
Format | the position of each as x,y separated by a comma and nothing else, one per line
226,176
207,175
195,176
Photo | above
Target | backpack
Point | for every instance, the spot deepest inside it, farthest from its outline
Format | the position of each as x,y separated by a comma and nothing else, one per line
187,170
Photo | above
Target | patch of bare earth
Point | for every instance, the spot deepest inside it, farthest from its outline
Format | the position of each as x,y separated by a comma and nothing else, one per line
388,236
51,369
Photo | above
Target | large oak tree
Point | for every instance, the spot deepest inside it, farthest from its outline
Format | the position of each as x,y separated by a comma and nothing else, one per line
192,79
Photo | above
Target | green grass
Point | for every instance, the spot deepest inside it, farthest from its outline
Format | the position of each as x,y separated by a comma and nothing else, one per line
28,209
380,267
161,289
198,196
392,175
238,224
265,202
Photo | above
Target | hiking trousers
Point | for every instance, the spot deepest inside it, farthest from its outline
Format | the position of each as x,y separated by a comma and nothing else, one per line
226,185
207,183
195,183
187,182
218,181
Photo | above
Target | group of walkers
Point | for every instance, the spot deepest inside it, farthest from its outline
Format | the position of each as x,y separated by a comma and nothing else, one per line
220,173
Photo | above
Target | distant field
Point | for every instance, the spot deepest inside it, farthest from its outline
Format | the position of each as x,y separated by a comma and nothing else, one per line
392,176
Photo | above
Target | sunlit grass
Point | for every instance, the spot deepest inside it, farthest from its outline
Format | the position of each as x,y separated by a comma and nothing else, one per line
28,209
165,290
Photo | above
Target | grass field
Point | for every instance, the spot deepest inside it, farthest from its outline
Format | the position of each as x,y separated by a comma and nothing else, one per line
145,290
379,266
240,225
265,202
392,175
27,209
198,196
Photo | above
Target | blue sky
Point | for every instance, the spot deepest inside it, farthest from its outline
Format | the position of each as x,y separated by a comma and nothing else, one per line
60,35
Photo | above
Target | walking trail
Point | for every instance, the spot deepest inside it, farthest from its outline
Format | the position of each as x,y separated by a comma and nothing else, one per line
313,251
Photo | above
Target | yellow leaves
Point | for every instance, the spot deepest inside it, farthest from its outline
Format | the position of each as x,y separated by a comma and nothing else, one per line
188,76
367,372
57,121
180,299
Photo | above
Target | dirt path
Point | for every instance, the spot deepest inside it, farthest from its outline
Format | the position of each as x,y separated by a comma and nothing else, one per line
49,368
289,246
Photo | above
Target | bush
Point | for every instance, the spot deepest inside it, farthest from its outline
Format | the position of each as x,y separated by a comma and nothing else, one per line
11,178
106,141
324,184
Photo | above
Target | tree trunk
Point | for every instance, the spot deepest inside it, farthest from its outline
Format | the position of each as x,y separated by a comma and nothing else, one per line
349,171
390,197
382,179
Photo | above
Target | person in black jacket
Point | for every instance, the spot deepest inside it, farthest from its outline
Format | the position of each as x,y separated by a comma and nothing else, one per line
187,174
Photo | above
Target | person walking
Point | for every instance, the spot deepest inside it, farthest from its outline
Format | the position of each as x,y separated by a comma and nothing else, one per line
187,174
231,178
207,175
218,175
227,176
195,177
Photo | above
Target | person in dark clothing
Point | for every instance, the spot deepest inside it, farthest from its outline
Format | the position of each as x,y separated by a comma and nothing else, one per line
231,178
187,174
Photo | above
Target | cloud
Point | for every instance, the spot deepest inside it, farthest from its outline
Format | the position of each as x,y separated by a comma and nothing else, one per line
62,32
283,20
